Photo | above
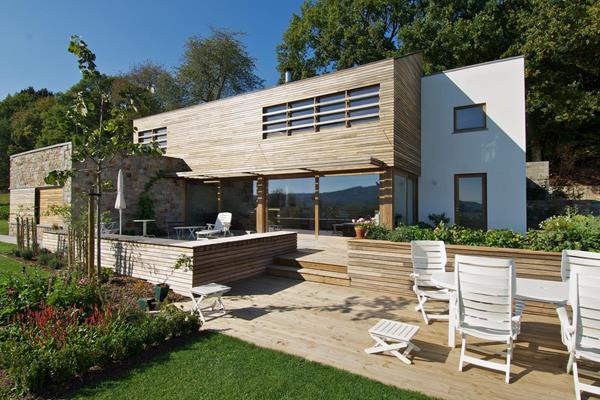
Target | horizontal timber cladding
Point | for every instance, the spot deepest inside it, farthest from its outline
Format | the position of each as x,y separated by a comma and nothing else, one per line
227,134
385,266
220,260
227,261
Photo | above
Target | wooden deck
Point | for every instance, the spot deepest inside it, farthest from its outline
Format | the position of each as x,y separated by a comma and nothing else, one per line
329,324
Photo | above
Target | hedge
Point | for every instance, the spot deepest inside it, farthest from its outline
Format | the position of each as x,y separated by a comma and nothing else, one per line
569,231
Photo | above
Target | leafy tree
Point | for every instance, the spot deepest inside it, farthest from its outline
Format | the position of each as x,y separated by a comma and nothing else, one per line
160,82
13,105
102,121
216,67
332,34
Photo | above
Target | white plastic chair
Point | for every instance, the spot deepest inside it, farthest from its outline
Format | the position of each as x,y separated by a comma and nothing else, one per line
485,294
221,226
428,257
582,337
582,261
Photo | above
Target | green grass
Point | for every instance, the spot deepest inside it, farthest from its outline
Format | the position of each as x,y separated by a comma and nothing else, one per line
10,266
220,367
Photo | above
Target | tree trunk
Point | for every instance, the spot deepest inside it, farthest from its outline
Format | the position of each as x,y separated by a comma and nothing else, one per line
98,215
90,242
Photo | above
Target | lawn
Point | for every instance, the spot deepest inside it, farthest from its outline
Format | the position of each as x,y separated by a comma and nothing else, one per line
10,266
216,366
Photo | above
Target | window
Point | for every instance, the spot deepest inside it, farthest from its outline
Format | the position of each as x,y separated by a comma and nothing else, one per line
469,118
155,135
291,204
405,193
346,108
470,200
343,198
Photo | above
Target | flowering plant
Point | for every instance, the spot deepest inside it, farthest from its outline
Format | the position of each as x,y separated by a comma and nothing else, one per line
364,223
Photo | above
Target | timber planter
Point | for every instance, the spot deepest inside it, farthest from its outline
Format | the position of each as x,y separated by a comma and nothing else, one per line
385,266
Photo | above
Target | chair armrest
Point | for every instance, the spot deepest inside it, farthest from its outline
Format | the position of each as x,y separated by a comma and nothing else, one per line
209,226
566,328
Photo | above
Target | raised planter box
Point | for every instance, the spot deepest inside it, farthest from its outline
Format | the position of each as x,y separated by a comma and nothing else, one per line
217,260
385,266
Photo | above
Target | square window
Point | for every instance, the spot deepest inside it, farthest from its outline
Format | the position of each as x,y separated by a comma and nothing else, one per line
469,118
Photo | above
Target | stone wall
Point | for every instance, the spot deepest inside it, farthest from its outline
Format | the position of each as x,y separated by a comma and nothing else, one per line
167,193
27,173
28,170
538,173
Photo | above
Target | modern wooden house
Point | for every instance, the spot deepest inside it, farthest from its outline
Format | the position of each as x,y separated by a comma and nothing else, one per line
378,140
315,154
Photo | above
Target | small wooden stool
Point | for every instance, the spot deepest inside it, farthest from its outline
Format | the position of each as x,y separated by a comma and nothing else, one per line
393,336
211,290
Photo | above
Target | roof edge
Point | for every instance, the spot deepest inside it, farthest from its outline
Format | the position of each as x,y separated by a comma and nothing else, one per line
41,149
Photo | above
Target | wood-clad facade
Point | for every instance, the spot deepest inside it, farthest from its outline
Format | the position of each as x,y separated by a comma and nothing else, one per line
238,137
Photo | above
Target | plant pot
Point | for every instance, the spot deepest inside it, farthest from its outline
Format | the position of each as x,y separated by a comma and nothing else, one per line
360,232
146,304
160,292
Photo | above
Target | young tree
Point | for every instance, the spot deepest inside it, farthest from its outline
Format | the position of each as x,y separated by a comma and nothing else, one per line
216,67
103,125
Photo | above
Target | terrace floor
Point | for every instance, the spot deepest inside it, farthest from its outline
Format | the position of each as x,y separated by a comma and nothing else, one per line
329,324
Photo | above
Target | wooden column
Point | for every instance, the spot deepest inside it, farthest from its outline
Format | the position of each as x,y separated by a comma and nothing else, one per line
386,198
316,199
262,191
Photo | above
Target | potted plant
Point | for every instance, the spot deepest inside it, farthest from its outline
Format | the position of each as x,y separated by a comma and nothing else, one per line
161,291
362,225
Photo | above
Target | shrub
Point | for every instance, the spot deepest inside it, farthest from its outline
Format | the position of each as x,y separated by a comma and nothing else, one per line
4,212
55,261
43,258
27,254
569,231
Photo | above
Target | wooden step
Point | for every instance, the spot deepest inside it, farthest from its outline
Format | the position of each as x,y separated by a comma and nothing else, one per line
309,274
297,262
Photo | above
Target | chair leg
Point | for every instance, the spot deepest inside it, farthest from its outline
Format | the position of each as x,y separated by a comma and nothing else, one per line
576,381
570,363
462,353
508,357
421,307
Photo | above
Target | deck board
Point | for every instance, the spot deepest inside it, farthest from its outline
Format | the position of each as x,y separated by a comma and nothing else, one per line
329,324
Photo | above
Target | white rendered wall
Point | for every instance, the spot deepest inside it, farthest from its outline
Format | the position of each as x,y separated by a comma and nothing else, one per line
498,151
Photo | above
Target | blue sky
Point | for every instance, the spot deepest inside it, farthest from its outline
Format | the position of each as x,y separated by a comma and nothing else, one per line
34,35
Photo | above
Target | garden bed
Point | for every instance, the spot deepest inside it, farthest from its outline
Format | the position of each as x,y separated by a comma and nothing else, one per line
57,325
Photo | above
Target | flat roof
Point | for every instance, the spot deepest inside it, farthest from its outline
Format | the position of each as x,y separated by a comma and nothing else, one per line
474,65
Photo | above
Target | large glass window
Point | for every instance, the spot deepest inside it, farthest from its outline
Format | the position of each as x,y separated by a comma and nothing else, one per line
344,198
291,204
470,202
239,198
201,203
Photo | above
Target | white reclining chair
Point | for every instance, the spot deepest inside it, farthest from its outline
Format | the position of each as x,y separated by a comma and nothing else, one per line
428,257
580,261
582,336
220,227
485,291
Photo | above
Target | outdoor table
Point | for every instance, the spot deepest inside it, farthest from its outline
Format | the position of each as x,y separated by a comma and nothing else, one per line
544,291
144,225
205,292
179,230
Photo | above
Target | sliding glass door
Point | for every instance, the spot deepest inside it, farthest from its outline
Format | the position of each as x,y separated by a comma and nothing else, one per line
470,200
291,204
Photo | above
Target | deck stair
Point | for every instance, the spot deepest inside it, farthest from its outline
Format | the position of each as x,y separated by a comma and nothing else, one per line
302,265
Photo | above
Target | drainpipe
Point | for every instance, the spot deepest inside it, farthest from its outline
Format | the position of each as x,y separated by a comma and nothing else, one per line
288,76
